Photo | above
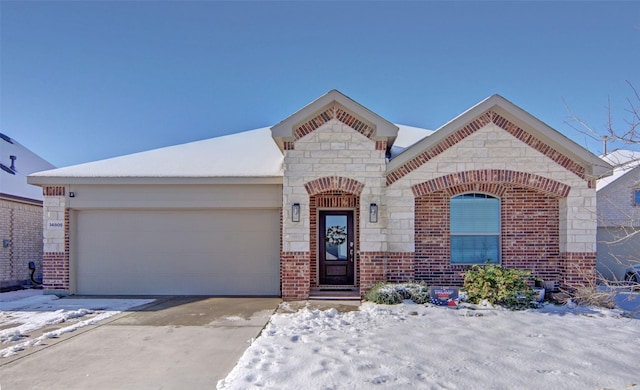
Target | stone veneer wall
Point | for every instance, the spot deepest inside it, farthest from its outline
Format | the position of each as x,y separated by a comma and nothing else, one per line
56,241
21,226
332,162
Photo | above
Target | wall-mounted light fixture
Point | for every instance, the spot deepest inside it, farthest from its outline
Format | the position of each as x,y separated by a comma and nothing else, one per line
295,212
6,243
72,194
373,213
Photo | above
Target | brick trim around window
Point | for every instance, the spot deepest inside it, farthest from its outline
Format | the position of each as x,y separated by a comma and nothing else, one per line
490,180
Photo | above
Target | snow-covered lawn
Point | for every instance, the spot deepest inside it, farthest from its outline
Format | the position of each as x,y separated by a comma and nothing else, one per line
402,346
25,313
411,346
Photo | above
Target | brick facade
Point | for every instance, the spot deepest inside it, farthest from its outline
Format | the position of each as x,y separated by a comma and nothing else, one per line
335,158
529,232
21,227
547,200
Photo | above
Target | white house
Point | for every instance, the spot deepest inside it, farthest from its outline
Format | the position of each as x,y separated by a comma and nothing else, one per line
332,197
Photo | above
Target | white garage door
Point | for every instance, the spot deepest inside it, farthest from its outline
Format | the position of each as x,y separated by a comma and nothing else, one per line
202,252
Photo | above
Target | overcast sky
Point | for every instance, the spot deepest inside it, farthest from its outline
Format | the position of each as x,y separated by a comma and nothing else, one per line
87,80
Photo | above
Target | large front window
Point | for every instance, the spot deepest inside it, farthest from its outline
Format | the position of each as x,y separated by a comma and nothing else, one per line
475,229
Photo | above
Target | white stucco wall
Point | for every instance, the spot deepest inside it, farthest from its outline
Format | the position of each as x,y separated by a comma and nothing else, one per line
334,149
493,148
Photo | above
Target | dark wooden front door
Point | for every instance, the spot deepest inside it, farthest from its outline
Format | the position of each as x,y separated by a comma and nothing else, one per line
336,248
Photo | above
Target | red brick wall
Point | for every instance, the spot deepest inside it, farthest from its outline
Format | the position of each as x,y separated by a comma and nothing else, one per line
530,232
399,267
371,269
55,265
294,275
55,271
394,267
579,269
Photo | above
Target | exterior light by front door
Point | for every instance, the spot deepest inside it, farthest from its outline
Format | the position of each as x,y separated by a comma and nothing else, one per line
373,213
295,212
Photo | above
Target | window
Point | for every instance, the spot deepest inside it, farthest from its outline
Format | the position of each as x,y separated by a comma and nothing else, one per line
636,197
475,229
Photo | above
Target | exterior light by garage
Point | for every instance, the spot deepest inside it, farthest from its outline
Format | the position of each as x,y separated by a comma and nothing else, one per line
295,212
373,213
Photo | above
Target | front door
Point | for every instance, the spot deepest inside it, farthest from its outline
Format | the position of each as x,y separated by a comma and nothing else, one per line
336,248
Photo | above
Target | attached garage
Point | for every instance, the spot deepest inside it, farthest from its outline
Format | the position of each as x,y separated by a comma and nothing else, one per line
190,252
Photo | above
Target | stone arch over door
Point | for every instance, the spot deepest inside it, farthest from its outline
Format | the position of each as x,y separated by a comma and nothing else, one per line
334,192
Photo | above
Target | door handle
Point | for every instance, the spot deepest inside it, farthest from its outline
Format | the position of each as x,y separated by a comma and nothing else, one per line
351,252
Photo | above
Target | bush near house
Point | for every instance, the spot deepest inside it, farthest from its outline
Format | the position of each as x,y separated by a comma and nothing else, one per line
394,293
500,286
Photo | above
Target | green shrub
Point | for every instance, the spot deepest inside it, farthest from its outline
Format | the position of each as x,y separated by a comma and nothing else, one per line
392,293
499,286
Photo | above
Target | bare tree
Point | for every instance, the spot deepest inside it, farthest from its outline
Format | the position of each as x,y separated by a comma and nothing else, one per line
628,134
618,209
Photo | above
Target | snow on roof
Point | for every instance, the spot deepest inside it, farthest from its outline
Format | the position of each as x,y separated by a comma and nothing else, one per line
251,153
623,161
248,154
14,181
407,136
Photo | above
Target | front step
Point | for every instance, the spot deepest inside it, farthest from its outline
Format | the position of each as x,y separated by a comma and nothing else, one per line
334,293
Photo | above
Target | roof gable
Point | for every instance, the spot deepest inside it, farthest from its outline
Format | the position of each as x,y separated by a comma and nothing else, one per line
515,121
333,105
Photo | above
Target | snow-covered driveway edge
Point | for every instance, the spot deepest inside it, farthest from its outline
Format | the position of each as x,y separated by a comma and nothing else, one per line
25,312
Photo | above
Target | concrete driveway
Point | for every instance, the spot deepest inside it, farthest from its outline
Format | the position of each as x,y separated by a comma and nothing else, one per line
172,343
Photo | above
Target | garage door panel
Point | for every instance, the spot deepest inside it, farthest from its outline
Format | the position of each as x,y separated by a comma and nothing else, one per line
212,252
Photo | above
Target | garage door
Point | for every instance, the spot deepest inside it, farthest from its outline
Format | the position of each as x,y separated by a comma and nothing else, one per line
202,252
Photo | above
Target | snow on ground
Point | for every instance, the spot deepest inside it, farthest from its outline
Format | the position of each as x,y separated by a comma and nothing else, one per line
429,347
24,312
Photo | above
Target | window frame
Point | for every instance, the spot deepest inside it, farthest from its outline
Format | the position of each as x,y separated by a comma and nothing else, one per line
497,234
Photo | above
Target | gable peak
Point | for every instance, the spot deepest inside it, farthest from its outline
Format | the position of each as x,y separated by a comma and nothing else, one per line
333,105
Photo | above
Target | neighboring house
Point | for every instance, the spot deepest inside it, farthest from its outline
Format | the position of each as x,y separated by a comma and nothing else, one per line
332,197
619,215
20,214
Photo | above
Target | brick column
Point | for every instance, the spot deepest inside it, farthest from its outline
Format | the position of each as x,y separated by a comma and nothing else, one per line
55,264
295,281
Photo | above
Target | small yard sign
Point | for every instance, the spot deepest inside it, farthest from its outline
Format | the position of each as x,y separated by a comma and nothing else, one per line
444,296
